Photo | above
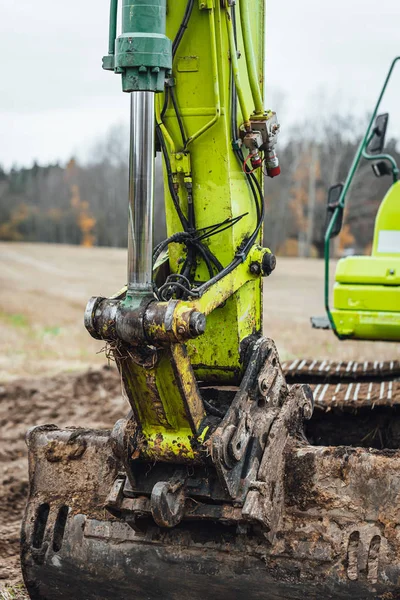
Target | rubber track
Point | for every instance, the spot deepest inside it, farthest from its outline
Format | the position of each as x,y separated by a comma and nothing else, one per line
348,384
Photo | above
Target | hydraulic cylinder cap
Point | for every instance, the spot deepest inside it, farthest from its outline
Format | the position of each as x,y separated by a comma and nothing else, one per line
142,54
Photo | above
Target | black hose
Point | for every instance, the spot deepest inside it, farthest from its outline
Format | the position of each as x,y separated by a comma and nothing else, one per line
175,46
171,187
178,116
182,27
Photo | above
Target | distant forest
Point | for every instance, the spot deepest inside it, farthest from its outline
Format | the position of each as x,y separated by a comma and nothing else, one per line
86,203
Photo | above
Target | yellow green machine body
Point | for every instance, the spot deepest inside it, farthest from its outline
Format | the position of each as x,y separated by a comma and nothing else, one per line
201,74
366,293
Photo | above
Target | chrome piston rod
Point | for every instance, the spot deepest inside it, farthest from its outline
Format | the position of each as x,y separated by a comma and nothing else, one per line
141,192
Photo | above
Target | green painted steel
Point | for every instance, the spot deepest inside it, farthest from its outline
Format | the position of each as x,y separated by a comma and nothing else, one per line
371,297
352,322
388,220
142,54
369,269
113,27
202,75
367,288
368,325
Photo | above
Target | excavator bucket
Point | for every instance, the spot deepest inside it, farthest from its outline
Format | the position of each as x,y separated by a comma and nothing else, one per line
319,518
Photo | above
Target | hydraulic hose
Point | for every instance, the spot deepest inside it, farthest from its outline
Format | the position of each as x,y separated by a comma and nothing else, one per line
235,67
250,57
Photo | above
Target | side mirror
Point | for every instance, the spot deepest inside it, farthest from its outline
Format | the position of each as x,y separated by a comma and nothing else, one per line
378,141
381,168
334,193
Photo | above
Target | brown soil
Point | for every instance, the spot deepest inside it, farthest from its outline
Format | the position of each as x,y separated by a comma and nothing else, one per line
89,399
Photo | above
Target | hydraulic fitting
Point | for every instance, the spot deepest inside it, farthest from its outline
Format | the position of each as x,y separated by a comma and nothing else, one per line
253,140
272,164
268,129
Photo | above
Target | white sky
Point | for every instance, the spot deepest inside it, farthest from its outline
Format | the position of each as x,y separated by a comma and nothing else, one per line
55,99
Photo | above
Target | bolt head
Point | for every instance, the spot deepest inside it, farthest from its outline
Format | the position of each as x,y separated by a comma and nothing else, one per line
197,323
268,263
255,268
263,386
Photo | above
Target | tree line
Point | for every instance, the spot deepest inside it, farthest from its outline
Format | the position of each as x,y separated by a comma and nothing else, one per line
85,202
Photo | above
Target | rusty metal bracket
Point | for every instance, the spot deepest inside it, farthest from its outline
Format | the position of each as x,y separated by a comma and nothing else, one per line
265,500
238,443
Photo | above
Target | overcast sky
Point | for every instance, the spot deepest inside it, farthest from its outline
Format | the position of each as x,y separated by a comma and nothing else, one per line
55,100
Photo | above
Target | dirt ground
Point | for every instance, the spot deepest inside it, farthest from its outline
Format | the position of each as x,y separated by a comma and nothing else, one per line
51,371
92,398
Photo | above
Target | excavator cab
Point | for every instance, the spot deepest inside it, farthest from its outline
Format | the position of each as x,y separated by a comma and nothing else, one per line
366,293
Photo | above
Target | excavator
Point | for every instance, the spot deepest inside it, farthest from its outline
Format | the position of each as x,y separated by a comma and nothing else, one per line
366,293
226,479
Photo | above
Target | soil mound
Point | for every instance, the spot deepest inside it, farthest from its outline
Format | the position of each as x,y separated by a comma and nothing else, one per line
90,399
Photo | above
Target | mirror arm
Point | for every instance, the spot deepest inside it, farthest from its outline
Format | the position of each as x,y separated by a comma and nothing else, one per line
388,157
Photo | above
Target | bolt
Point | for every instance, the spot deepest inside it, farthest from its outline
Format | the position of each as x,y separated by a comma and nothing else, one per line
255,268
268,263
181,330
308,407
197,324
263,385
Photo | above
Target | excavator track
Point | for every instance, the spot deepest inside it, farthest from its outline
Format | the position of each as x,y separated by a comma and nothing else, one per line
348,384
316,371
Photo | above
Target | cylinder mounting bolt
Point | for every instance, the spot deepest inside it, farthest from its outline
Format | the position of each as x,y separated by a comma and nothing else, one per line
197,323
268,263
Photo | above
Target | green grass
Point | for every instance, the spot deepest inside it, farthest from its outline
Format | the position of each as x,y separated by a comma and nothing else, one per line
14,592
51,331
16,320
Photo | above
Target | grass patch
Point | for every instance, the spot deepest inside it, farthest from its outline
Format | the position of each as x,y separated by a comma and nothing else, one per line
16,320
51,331
14,592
